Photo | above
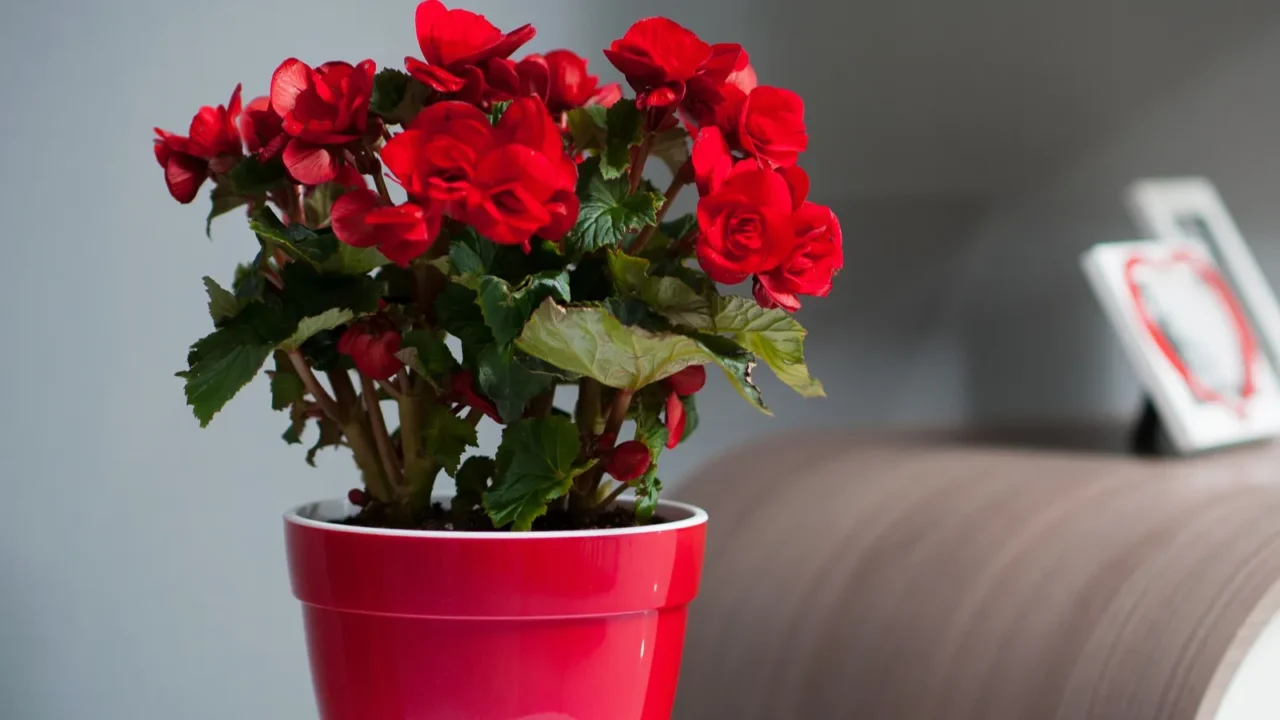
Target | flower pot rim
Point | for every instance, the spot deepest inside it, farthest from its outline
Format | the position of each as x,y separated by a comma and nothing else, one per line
319,515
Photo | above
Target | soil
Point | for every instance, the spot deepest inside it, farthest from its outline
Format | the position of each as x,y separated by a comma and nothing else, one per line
439,518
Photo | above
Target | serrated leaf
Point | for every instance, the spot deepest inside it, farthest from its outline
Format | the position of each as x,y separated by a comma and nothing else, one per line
218,376
512,385
223,304
253,177
223,199
738,365
330,436
298,241
535,465
667,296
248,283
350,260
506,311
608,213
397,97
460,316
293,434
307,292
624,126
472,482
426,354
774,336
590,341
587,127
308,326
446,437
286,387
672,147
470,254
647,492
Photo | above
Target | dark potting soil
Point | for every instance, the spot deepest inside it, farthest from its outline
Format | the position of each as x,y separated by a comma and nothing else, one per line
378,516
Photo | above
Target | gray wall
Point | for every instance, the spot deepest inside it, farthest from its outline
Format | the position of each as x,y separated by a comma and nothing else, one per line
972,150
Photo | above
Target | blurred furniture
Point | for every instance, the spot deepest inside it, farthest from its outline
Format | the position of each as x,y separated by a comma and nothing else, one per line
939,577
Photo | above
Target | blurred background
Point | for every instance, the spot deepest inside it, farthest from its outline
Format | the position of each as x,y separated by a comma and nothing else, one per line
971,149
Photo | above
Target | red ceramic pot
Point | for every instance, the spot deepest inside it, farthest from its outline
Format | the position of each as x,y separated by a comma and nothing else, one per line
404,625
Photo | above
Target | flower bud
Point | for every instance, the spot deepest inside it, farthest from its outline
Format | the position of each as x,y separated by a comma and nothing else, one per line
689,380
358,497
629,461
372,344
675,421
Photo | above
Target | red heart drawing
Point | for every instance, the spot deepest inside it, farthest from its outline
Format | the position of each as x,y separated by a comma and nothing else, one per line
1208,274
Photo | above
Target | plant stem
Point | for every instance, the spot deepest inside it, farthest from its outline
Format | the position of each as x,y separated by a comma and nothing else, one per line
673,190
313,386
618,412
390,390
612,498
587,411
355,426
637,165
543,403
475,416
380,435
381,184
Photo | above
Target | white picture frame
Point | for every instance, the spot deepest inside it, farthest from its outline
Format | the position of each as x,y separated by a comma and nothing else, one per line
1192,207
1188,338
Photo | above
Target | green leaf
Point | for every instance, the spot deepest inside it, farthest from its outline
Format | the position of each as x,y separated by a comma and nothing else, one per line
774,336
253,177
590,341
497,110
223,305
447,437
624,125
668,296
308,292
679,227
691,416
224,199
221,366
460,316
299,241
350,260
293,434
308,326
509,382
286,387
427,354
317,202
647,492
330,436
587,127
608,213
737,364
506,311
248,283
472,482
470,254
397,97
535,465
672,147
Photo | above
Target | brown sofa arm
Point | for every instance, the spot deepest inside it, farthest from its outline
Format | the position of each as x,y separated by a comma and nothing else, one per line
888,577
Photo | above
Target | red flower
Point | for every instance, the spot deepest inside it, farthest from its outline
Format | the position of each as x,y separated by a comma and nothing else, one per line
810,267
402,233
262,129
435,157
462,386
659,58
561,80
629,461
212,146
372,344
676,420
716,93
744,216
771,126
458,45
321,108
509,182
688,381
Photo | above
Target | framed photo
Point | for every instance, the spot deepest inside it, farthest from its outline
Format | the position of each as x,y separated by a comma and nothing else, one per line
1192,207
1187,335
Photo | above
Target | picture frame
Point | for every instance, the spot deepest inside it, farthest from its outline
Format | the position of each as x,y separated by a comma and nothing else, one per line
1193,207
1189,339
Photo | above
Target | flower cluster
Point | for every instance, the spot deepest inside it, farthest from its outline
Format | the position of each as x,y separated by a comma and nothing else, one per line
497,205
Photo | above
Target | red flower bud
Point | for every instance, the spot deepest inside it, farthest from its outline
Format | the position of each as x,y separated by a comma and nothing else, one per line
629,461
675,421
604,443
462,387
358,497
372,344
688,381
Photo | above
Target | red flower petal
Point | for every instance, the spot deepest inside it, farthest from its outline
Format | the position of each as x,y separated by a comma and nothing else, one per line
771,126
433,76
527,122
310,164
769,296
347,218
675,421
688,381
184,174
711,160
798,180
657,50
287,83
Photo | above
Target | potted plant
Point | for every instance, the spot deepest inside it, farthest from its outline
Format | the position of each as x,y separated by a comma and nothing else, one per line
474,239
